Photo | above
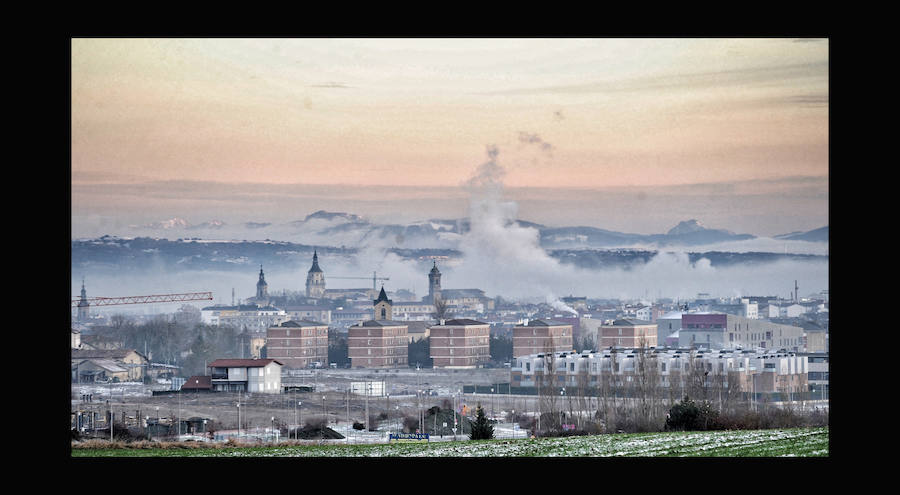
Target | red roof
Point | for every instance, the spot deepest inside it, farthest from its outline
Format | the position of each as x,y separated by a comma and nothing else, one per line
242,363
198,382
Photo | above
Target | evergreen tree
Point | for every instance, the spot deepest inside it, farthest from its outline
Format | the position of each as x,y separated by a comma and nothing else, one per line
481,428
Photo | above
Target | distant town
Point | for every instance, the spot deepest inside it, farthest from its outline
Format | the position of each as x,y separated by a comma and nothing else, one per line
761,346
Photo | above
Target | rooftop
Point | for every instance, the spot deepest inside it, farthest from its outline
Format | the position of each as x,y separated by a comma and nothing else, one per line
242,363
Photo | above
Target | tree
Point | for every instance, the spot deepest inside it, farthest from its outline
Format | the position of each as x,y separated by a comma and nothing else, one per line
418,353
440,309
548,391
501,348
690,416
481,427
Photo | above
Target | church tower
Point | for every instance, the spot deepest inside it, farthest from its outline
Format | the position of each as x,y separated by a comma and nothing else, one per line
262,288
434,284
315,279
383,307
83,305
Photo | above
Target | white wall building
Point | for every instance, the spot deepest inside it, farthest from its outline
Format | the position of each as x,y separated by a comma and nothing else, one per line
758,371
246,375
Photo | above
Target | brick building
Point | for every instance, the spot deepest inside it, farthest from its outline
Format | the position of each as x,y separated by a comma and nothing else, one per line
298,344
380,342
627,332
460,343
540,335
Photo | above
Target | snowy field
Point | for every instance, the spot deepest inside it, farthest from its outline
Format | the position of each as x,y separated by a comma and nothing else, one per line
793,442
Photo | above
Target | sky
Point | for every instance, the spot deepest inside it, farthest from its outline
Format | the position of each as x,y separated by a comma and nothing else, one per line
633,135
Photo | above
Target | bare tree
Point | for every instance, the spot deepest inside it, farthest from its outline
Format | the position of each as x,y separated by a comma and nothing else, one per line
440,309
547,389
646,384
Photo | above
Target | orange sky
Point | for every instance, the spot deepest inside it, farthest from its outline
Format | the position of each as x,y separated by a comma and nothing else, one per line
584,113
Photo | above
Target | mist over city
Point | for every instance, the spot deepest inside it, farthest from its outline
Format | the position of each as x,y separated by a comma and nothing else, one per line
400,242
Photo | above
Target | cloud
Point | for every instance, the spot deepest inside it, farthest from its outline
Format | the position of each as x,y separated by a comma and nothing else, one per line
531,138
333,85
759,75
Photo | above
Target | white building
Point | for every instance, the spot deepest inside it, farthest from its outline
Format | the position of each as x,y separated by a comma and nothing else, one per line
757,371
667,325
256,318
246,375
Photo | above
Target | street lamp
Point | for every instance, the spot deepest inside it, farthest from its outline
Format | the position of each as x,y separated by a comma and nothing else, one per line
562,393
492,402
273,426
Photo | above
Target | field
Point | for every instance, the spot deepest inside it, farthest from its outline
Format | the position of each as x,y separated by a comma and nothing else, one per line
792,442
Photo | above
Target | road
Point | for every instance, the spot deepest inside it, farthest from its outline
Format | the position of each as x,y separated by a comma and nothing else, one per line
330,398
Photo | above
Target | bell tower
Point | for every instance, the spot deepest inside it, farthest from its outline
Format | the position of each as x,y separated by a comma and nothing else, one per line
434,283
315,279
262,288
83,305
383,307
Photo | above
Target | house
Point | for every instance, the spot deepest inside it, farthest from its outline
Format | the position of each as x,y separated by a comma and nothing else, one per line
246,375
197,384
98,371
95,363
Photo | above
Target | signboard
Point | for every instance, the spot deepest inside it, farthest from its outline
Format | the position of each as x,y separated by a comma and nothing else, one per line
408,437
375,389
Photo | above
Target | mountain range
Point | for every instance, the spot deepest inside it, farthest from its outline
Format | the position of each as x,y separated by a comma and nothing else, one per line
326,228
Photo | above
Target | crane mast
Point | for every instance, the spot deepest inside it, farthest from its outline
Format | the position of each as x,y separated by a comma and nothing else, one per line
108,301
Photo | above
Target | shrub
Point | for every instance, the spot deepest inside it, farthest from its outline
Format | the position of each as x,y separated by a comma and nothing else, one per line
690,416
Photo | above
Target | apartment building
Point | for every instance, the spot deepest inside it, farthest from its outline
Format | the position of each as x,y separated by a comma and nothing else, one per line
378,344
627,332
757,371
298,343
541,335
460,343
252,316
725,331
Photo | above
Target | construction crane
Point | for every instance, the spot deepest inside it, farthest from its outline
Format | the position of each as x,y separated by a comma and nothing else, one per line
108,301
375,278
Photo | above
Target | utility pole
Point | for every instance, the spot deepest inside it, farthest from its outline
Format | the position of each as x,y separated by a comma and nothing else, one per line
366,421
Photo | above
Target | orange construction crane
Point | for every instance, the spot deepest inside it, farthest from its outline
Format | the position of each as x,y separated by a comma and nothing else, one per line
107,301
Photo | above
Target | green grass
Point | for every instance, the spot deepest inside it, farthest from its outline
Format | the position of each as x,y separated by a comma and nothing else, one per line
800,442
